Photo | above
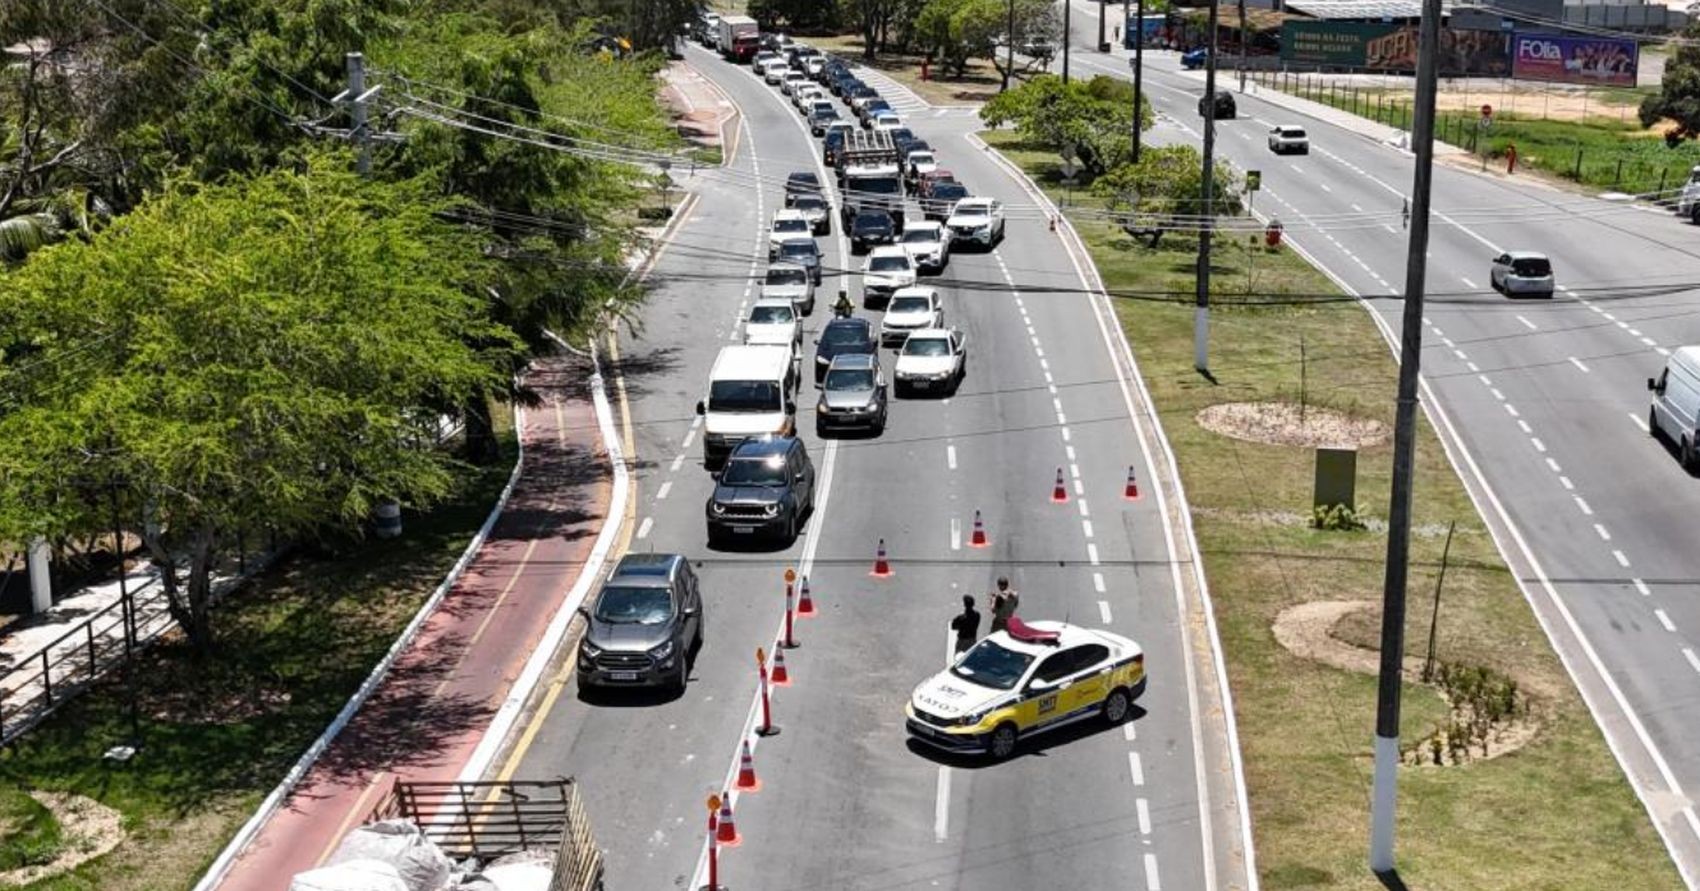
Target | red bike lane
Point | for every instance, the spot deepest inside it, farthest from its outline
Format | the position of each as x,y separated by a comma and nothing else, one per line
431,710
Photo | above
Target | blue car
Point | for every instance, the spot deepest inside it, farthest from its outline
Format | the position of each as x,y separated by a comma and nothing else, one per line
1195,58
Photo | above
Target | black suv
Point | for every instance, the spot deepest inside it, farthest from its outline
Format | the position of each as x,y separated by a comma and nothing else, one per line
843,337
871,227
766,488
801,182
644,625
1224,105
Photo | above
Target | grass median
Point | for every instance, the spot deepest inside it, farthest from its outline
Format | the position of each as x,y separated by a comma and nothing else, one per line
1552,808
219,732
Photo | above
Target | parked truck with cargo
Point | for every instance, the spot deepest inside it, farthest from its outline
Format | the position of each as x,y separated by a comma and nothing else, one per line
739,38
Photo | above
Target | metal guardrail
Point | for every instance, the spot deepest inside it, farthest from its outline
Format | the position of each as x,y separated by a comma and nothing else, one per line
486,820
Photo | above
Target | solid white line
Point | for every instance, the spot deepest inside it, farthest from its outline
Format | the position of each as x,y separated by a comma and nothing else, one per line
941,808
1578,363
1621,560
1583,505
1104,611
1688,653
1665,620
1092,553
644,527
1098,582
950,456
1151,882
1642,587
1136,768
1639,421
661,493
1528,324
1144,812
1604,535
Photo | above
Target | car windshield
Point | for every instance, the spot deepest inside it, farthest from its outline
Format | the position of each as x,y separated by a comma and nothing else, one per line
949,190
850,379
772,315
809,203
744,396
840,335
872,221
926,346
971,210
991,665
909,304
790,225
876,185
825,109
634,606
801,250
768,470
889,264
804,181
920,236
1533,267
1293,133
791,276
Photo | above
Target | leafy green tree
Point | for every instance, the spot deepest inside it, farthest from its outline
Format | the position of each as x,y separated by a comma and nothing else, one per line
1092,118
794,15
1678,98
271,352
981,25
1167,183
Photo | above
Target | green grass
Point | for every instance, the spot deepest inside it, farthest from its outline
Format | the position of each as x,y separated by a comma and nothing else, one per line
29,833
1556,814
219,732
1604,151
979,83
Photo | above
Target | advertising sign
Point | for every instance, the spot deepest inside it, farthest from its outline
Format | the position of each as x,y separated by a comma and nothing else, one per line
1329,43
1374,46
1574,60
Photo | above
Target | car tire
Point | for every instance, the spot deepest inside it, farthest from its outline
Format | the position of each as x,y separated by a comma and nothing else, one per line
1685,453
683,679
1000,745
1116,706
791,529
1653,422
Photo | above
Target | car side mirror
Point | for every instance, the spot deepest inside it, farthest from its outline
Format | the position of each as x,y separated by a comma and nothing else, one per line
1038,685
584,612
1652,385
701,409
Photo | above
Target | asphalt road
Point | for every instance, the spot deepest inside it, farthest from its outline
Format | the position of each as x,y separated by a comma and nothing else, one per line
846,802
1547,400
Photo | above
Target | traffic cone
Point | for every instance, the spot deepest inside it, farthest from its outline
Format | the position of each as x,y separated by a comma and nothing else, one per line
727,833
780,677
1060,493
805,603
747,781
979,538
882,569
1131,493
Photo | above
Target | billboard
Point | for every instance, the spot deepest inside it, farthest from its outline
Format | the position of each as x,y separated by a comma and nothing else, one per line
1575,60
1385,46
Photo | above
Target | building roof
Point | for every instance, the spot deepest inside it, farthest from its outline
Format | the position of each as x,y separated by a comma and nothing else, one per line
1359,10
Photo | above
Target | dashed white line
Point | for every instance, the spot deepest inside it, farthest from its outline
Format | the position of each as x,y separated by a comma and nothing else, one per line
1151,882
678,461
1092,553
1084,510
1486,381
1467,283
955,534
941,807
1648,341
1136,768
1553,466
1496,394
1527,324
1664,620
690,437
1144,812
1128,733
1602,531
1639,421
1642,587
1104,611
1511,410
1688,653
1086,527
1633,332
1566,483
1524,426
1583,505
950,456
1460,355
1472,367
1065,433
1074,471
661,493
1620,558
1578,363
644,527
1536,442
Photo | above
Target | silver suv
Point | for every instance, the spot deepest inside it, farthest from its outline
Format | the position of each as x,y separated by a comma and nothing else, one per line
644,626
853,395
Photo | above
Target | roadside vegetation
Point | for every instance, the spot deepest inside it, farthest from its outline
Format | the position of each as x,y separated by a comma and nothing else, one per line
1297,594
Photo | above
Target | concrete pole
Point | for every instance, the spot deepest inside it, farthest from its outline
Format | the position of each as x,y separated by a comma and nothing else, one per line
1068,25
40,559
1201,312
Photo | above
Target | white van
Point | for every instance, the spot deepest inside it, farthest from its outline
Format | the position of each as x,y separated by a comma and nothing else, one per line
1676,403
750,393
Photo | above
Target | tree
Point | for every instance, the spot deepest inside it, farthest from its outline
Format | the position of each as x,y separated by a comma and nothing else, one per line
1166,184
794,15
1092,118
982,27
1678,98
264,353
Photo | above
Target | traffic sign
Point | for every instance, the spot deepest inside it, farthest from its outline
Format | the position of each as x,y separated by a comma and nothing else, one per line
1253,180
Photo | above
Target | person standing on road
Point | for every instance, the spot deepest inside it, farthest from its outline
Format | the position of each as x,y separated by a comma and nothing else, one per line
1004,602
966,624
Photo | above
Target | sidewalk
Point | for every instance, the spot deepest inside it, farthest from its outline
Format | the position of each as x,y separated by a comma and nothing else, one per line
431,710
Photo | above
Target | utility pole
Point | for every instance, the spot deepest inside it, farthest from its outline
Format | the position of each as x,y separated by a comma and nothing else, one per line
1138,76
1068,25
1201,314
1009,48
1385,795
357,112
1243,42
1103,6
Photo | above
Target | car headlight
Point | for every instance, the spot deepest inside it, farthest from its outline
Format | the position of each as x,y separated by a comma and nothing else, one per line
717,507
663,651
771,510
589,650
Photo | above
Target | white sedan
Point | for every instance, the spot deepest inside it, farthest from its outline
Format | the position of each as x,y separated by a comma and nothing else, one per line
927,242
887,269
788,224
774,320
977,220
932,359
910,309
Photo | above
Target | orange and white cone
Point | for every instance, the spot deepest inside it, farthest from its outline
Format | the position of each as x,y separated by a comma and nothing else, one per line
978,540
747,780
1131,493
882,569
805,603
727,832
1060,493
780,677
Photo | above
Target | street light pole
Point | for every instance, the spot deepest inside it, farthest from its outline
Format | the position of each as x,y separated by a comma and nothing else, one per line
1385,794
1243,42
1068,25
1201,311
1138,77
1103,10
1009,47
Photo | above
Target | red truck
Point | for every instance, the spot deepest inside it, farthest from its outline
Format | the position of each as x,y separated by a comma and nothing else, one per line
740,37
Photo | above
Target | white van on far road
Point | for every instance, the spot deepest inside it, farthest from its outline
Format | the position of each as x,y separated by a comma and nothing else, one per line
1676,403
750,392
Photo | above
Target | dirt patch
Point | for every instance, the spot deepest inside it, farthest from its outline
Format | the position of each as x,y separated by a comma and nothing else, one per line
1284,423
89,829
1307,631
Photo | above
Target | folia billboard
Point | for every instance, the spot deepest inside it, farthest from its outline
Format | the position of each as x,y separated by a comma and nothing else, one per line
1574,60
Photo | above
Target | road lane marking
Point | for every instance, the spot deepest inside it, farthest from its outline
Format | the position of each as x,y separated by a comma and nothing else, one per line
1639,422
1604,534
690,437
643,529
1578,363
1486,381
1074,471
1136,768
1583,505
661,493
1648,341
1086,527
1128,733
1633,332
1526,323
1144,811
1524,426
1472,367
1620,558
1688,653
955,534
1642,587
1665,620
1460,355
1536,442
1496,394
950,456
1104,611
1065,434
1567,484
941,810
678,461
1512,410
1151,882
1553,466
1092,553
1098,582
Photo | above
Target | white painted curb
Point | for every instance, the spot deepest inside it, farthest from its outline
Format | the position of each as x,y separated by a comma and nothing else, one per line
245,836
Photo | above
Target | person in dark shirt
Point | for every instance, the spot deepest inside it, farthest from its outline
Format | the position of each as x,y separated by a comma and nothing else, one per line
1004,603
966,625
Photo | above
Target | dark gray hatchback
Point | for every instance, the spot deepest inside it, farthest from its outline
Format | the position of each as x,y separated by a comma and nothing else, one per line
643,626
